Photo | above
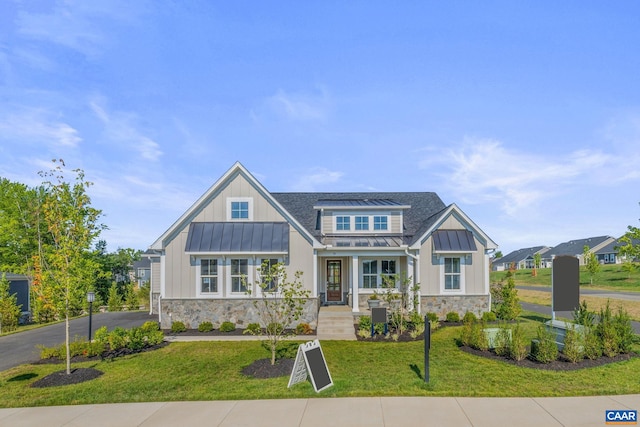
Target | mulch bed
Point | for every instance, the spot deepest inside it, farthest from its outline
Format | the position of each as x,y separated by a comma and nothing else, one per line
264,369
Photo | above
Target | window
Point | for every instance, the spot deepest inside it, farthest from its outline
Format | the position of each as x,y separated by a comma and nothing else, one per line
240,210
388,268
239,270
265,268
343,223
452,274
362,223
209,276
380,223
370,274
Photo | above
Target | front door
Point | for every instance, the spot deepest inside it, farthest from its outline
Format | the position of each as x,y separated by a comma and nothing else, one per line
334,281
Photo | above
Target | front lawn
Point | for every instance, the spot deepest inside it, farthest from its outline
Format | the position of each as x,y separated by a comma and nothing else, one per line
212,371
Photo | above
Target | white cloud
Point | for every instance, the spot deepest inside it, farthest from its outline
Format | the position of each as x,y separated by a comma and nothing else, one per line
319,177
296,106
484,170
38,125
120,128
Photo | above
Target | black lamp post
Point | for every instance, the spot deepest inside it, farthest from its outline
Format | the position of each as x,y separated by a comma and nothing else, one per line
91,296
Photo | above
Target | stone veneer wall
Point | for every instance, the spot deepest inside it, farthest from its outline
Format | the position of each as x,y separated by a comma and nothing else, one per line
443,304
239,311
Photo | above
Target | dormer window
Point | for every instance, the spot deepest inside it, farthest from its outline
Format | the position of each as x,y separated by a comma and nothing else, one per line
362,223
343,223
380,223
239,209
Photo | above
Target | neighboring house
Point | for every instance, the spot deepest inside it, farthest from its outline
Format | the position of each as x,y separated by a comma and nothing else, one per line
344,243
576,248
142,271
19,285
521,258
608,254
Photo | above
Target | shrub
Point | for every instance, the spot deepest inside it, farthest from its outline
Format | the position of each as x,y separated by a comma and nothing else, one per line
591,342
502,342
136,339
478,337
205,327
418,329
227,326
489,316
573,347
453,316
582,315
178,327
545,349
253,329
415,319
304,329
509,307
150,326
432,317
101,335
607,332
364,322
117,338
466,334
518,347
624,330
469,317
114,301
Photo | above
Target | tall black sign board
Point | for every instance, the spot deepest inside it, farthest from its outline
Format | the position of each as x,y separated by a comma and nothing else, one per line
565,283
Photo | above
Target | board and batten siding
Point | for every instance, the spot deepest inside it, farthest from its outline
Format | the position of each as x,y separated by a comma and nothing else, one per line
474,272
180,279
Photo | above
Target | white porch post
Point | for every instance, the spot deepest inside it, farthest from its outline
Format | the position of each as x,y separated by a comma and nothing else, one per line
410,271
354,283
314,293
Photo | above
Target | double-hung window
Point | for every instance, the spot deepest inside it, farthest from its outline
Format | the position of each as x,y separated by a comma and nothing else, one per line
239,272
208,276
452,274
388,269
370,274
362,222
343,223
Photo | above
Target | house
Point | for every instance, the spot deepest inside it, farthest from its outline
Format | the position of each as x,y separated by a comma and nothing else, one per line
576,248
344,243
520,258
608,254
19,285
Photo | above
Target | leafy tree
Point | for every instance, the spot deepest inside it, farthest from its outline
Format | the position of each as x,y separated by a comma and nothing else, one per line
591,262
131,298
629,251
72,225
114,301
9,308
401,297
537,260
279,303
498,255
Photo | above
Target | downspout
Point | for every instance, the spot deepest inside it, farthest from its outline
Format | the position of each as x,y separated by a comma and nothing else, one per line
416,259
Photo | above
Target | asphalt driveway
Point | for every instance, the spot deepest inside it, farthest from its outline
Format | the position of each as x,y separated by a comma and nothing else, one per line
20,348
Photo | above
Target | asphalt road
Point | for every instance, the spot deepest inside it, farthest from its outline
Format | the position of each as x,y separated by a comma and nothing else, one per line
20,348
630,296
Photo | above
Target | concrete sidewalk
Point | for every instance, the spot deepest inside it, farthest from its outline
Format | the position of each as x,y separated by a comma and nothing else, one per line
322,412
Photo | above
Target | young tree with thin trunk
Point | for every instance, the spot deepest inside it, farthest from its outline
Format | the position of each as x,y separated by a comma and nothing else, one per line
591,262
72,225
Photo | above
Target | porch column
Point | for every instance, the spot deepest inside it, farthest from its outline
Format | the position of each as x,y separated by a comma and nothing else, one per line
314,292
354,283
410,272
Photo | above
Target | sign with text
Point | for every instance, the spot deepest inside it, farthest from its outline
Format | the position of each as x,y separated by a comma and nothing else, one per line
310,361
565,283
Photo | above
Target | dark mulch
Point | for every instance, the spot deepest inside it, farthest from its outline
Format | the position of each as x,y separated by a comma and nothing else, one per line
561,364
106,355
264,369
60,378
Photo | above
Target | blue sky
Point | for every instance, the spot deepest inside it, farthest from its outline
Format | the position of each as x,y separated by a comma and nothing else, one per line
525,114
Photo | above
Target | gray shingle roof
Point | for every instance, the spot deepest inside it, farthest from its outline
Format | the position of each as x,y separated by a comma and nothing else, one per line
520,255
574,247
423,211
611,247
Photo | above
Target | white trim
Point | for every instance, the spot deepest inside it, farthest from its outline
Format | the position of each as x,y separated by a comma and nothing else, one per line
354,283
352,222
379,274
463,263
248,200
163,279
314,292
249,277
199,293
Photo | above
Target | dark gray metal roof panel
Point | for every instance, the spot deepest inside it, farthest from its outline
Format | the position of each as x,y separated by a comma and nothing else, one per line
454,241
223,237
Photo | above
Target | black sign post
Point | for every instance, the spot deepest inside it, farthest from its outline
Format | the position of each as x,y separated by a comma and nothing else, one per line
565,284
427,347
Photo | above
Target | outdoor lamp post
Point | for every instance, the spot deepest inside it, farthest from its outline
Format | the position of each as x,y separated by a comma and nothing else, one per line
91,296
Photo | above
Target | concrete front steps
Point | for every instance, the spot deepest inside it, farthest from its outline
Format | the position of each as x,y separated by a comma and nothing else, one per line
335,322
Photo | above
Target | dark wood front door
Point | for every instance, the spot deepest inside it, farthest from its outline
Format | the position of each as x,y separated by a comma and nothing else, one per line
334,280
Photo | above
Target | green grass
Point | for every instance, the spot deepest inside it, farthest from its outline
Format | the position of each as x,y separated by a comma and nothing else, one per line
610,277
211,371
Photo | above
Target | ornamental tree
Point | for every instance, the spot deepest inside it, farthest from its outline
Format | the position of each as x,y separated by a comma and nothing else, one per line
279,302
9,308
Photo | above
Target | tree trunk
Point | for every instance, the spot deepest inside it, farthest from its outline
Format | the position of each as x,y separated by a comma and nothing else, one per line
67,343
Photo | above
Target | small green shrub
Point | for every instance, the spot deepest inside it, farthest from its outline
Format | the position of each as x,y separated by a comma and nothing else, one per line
478,337
417,330
205,327
502,342
469,317
608,332
432,317
416,319
573,347
364,322
150,326
136,339
227,326
253,329
117,338
178,327
304,329
545,349
624,330
466,334
592,346
582,315
489,316
518,347
453,316
101,335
